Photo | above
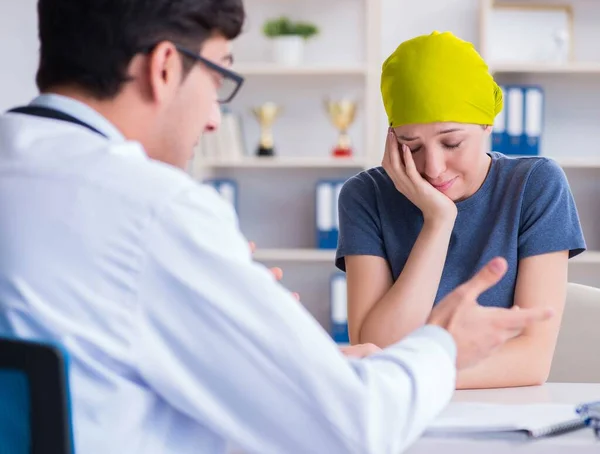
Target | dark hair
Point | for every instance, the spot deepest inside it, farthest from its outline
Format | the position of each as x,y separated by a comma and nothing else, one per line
90,43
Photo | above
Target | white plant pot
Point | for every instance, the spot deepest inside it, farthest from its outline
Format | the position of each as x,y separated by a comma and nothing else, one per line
288,50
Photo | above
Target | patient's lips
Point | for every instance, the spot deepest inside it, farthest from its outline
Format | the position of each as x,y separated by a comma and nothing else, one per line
445,185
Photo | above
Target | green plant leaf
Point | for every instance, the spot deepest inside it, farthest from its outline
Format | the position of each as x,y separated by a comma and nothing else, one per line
283,26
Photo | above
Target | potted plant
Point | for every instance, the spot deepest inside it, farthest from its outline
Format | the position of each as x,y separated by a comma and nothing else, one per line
288,39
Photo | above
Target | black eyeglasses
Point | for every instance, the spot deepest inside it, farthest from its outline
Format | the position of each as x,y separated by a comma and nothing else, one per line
231,81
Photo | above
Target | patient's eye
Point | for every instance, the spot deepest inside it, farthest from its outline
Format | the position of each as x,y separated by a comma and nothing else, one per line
452,146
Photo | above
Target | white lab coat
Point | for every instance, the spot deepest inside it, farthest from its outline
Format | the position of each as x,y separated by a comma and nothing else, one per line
179,342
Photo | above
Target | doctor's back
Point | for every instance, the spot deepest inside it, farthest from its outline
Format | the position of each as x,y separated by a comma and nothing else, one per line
76,233
103,249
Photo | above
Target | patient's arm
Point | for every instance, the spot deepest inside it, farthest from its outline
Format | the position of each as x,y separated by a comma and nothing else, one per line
526,360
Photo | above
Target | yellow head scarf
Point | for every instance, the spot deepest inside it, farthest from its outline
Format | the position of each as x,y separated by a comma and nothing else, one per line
437,78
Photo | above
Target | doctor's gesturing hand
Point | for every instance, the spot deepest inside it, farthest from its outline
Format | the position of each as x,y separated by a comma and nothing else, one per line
479,330
401,168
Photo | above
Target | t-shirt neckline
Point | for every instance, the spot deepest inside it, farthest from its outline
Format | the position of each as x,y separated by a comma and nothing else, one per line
484,189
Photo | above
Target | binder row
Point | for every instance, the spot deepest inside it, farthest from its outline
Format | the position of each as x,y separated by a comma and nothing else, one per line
518,129
326,204
339,309
227,188
328,227
326,216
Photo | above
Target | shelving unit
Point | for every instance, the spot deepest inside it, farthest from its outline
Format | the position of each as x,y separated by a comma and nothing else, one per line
570,131
579,163
295,255
277,194
343,61
287,163
568,163
587,258
547,68
268,69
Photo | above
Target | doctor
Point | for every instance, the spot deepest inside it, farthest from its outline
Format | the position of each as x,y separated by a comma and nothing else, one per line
179,342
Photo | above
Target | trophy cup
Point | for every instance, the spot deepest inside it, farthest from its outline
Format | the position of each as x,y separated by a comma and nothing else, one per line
266,115
342,114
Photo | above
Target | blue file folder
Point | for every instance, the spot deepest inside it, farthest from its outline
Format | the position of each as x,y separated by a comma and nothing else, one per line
534,120
339,309
515,118
326,213
524,120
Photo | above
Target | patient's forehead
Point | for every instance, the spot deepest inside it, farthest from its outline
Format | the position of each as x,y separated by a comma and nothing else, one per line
414,131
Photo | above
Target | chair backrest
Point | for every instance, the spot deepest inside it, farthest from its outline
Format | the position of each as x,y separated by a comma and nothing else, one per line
576,358
35,414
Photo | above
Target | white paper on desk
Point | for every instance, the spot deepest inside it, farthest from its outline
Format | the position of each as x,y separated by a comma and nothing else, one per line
479,419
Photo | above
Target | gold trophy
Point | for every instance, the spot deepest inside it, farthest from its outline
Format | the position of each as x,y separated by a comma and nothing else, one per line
266,115
342,114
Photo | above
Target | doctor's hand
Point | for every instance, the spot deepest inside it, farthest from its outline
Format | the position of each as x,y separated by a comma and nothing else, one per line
479,330
276,271
400,166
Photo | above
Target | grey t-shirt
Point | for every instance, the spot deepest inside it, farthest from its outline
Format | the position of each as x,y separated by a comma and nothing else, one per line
524,208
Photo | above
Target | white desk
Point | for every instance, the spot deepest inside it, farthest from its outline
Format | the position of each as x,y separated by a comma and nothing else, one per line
579,442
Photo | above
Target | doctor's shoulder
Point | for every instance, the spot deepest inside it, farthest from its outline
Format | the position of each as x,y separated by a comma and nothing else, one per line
164,185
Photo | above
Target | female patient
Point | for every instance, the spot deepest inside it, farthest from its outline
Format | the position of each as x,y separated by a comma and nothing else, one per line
440,207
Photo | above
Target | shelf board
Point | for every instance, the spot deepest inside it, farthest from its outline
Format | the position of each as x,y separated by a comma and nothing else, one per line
549,68
295,255
285,163
587,258
328,255
269,69
578,163
280,162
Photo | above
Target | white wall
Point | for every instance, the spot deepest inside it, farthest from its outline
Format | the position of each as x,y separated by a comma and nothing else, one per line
18,52
404,19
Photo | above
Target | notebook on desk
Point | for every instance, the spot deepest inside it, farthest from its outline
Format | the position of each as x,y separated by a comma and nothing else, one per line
505,421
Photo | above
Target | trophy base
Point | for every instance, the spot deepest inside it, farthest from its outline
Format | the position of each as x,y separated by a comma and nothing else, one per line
340,152
264,151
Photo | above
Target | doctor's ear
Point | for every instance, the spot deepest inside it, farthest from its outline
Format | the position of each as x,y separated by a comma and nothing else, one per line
165,67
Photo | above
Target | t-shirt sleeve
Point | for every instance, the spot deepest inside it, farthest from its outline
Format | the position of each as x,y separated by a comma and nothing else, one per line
360,225
549,217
